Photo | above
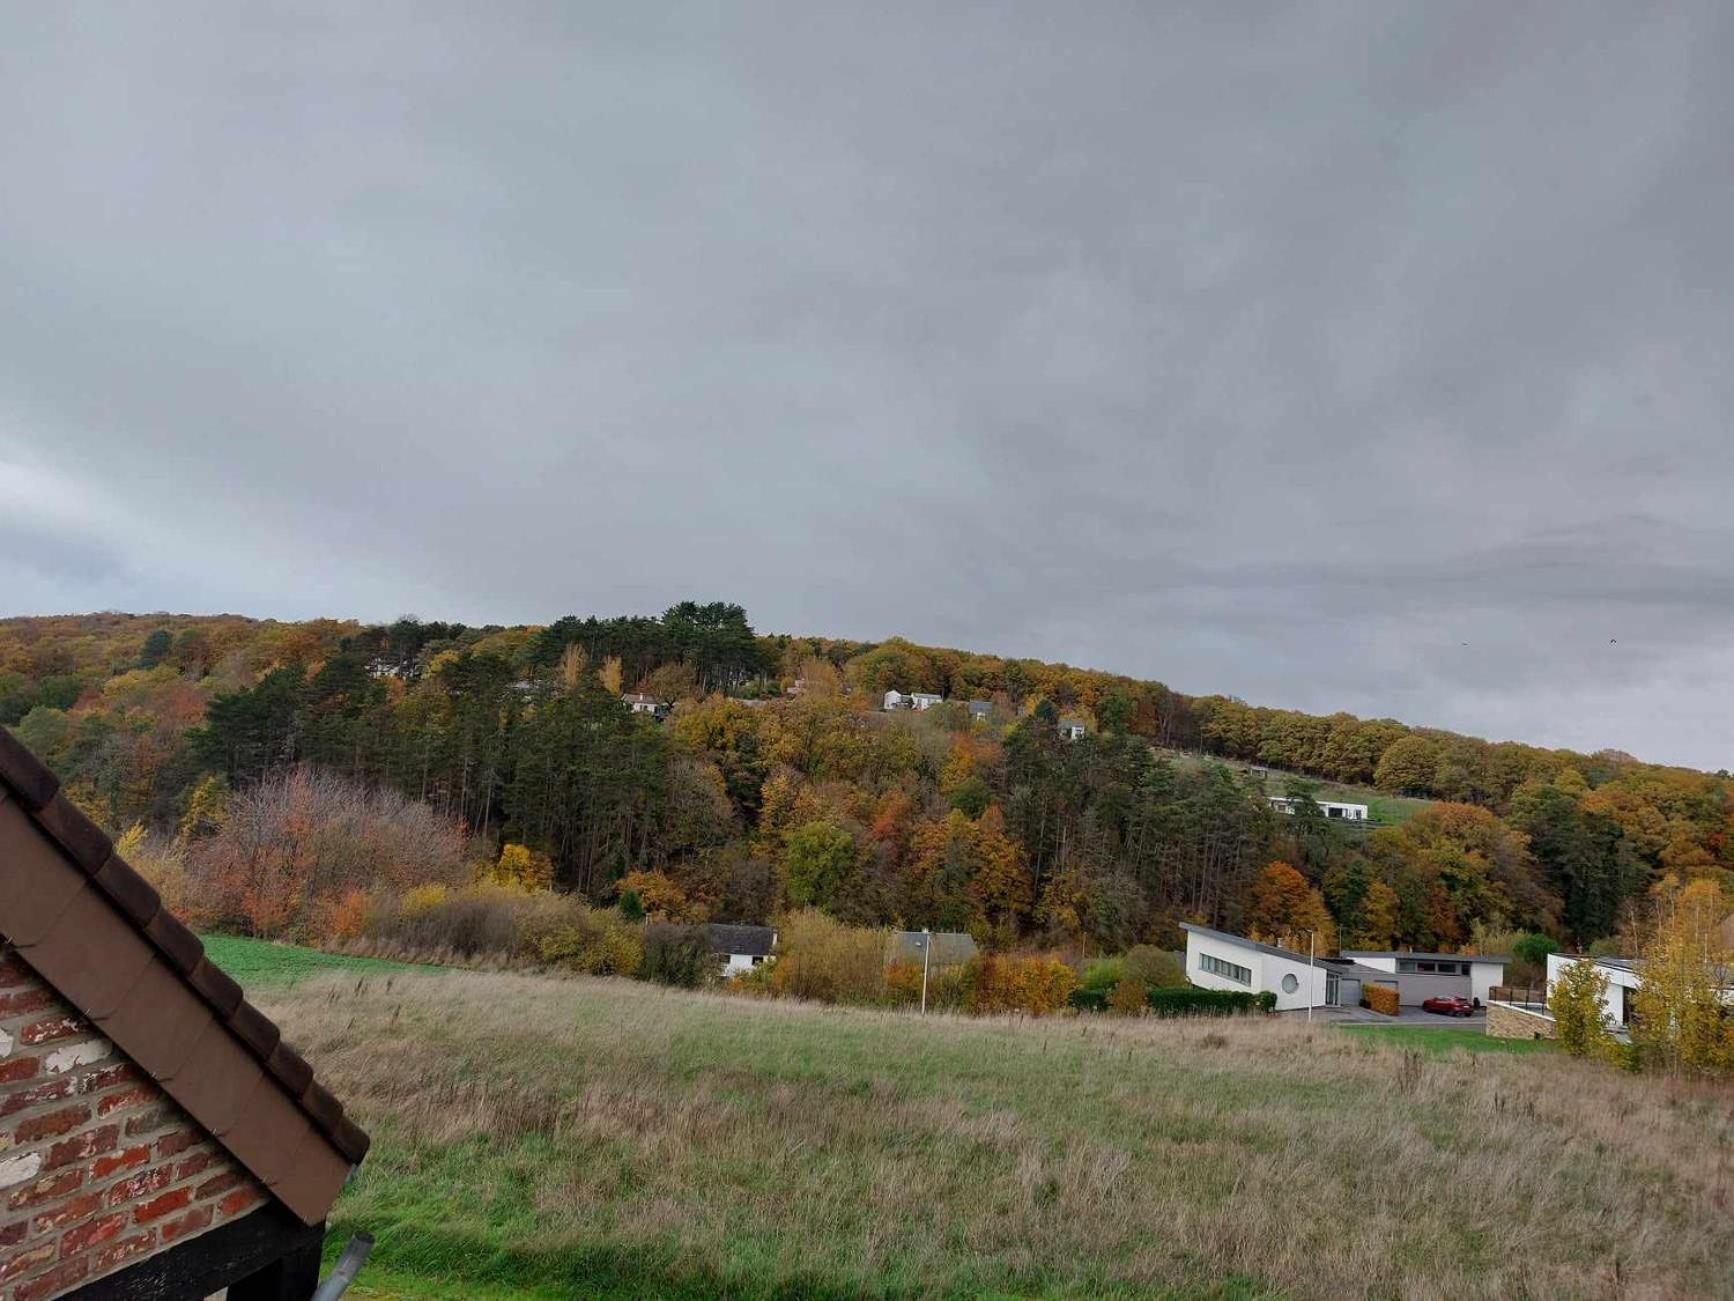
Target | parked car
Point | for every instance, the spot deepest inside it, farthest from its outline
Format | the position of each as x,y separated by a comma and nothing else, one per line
1449,1006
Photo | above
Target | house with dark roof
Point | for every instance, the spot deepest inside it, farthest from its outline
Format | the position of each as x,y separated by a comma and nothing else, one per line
160,1138
741,947
1219,960
936,948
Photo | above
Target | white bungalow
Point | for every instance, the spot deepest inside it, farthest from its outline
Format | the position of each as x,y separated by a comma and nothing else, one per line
1330,808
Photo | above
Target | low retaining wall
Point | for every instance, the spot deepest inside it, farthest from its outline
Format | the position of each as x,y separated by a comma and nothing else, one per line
1507,1022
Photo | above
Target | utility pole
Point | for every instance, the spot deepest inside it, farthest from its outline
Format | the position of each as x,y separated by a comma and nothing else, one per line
926,956
1312,980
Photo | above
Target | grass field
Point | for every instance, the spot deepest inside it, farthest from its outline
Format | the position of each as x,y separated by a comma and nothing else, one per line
541,1138
258,964
1383,809
1442,1040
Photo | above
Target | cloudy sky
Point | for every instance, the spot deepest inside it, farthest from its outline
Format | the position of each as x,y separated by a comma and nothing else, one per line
1340,356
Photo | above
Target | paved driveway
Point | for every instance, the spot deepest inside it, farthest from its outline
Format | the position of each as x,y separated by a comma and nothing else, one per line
1409,1016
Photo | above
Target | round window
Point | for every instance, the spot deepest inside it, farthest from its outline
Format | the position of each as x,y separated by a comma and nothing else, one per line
1289,983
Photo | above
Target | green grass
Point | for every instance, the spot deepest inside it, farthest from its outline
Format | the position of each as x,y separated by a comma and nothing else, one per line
540,1138
260,964
1441,1041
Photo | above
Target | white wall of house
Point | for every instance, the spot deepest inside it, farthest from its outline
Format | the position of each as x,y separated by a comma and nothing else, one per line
924,700
1288,980
739,962
1330,808
1483,976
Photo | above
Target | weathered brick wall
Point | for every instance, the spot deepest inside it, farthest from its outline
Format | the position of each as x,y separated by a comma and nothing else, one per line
98,1167
1513,1023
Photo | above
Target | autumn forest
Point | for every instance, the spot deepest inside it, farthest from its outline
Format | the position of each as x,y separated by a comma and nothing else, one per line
772,779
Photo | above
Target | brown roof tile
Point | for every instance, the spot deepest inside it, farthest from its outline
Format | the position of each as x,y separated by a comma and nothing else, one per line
98,933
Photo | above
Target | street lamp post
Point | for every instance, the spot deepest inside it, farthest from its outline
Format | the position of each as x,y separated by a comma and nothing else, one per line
1312,978
926,957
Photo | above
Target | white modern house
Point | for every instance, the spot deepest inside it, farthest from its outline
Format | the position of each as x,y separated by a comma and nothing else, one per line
1218,960
1330,808
1421,976
916,700
639,703
1073,729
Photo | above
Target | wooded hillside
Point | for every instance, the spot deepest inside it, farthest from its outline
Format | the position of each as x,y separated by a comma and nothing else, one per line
749,798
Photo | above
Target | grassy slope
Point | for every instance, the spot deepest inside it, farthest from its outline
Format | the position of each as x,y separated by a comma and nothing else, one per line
258,964
543,1138
1385,809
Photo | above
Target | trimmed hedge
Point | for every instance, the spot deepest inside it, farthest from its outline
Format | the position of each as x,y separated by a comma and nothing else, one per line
1183,1000
1190,1001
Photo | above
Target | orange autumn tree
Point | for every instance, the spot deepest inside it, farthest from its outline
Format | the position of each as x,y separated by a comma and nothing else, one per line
1282,908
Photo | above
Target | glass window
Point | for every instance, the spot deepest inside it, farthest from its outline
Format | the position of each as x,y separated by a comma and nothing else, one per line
1228,970
1289,983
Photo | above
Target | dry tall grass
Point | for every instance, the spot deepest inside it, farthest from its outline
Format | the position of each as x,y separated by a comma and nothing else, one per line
576,1137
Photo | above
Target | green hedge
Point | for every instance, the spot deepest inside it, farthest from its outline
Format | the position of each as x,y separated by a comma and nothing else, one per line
1184,1000
1190,1001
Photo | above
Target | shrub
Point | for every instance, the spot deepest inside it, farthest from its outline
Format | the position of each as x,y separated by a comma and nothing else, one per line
947,986
675,955
1130,998
1192,1001
1382,998
1036,984
1088,1000
824,959
1155,968
1104,973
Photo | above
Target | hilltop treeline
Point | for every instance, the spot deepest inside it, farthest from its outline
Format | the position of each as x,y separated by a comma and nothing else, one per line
749,798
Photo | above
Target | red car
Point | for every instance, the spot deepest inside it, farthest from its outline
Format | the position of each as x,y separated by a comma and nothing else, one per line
1452,1006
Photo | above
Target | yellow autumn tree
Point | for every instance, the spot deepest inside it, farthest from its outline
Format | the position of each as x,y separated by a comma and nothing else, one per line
1283,909
522,867
612,674
1576,1002
1679,1019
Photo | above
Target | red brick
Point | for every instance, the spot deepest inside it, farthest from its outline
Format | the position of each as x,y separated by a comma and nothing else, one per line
47,1091
13,1233
197,1162
68,1212
239,1200
25,1261
26,1000
108,1077
125,1249
81,1146
54,1027
114,1162
86,1236
136,1096
55,1281
139,1185
51,1124
220,1184
179,1141
158,1207
15,971
192,1222
18,1068
45,1189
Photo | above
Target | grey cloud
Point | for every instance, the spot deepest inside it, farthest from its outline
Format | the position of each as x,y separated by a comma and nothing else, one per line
1275,350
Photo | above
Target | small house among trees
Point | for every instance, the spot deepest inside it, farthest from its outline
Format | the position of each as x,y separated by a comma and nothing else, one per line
161,1138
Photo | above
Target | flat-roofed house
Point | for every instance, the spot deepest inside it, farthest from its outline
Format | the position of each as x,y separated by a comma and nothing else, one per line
1421,976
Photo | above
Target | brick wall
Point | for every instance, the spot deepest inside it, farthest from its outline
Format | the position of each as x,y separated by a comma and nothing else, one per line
98,1167
1505,1022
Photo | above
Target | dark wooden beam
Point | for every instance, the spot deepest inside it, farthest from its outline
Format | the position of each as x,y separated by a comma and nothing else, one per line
264,1256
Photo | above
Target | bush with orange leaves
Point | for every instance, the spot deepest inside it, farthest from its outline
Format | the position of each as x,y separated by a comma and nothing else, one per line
1036,984
1382,998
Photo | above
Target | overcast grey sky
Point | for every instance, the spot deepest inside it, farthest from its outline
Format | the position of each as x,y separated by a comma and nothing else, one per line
1277,350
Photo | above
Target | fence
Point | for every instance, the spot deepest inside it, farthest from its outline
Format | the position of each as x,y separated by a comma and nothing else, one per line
1522,995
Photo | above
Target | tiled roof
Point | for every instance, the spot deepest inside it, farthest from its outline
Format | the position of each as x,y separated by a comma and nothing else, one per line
95,929
753,941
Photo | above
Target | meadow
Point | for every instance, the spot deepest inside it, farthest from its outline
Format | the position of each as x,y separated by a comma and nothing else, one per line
541,1138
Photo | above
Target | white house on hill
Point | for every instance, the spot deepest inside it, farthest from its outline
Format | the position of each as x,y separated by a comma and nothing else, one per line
1330,808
